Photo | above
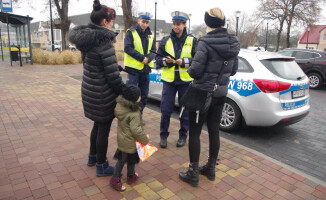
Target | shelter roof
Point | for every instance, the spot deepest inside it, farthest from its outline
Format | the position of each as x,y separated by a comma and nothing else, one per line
14,19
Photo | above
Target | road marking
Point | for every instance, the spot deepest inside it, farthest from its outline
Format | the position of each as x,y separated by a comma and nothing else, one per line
317,114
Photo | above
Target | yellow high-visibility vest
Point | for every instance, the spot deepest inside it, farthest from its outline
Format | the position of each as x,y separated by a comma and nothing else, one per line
168,73
132,62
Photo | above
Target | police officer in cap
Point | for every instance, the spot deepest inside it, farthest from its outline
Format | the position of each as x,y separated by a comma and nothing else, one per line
138,60
181,46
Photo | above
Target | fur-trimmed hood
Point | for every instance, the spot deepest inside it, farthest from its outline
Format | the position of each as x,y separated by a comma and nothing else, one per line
124,107
88,36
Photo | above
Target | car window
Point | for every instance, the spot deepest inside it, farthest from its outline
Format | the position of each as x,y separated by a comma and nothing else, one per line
315,55
286,53
284,68
244,66
302,55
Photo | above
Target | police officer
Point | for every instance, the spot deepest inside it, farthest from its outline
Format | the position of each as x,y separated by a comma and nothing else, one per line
181,46
138,60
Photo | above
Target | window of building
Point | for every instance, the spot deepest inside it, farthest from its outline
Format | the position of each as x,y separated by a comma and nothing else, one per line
324,36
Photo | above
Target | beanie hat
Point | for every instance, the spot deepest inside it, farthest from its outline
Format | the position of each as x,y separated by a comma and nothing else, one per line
131,92
214,21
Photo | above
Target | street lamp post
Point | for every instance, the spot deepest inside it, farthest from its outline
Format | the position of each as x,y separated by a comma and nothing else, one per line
237,15
308,29
52,37
189,22
227,23
155,24
266,37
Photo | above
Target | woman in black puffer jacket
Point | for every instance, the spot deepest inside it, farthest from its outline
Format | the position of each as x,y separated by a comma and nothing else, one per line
101,80
212,51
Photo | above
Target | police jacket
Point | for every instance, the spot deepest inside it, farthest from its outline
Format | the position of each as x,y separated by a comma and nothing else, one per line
101,82
130,125
129,47
212,50
177,45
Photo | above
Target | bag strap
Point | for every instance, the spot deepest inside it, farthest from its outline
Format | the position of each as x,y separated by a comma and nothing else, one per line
225,63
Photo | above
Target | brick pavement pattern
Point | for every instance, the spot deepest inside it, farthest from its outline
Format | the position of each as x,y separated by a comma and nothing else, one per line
44,143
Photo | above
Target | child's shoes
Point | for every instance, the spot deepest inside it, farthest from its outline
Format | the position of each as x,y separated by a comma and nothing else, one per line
116,184
132,179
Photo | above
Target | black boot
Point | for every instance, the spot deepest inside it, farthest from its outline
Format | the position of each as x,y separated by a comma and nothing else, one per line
191,176
209,169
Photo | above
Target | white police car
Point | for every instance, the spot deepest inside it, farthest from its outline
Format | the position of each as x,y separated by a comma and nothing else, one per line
268,90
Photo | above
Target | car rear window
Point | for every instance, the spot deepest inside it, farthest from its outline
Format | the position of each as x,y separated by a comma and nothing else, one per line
284,68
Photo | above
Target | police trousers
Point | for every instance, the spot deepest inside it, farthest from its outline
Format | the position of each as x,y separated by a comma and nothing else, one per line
167,105
140,79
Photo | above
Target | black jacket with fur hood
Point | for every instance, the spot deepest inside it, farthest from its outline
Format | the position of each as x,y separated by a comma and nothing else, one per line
212,50
101,78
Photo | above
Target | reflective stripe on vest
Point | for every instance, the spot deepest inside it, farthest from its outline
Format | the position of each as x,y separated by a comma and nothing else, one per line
168,73
132,62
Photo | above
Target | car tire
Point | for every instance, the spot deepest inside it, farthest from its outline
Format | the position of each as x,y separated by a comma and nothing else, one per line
315,80
231,116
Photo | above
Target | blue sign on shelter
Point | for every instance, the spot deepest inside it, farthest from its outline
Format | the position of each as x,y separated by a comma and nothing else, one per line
6,5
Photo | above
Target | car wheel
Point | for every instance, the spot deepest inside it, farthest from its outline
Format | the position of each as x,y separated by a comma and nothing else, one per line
231,116
73,49
315,80
57,50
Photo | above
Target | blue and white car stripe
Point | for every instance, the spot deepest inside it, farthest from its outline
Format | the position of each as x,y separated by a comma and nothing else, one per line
244,88
155,77
294,105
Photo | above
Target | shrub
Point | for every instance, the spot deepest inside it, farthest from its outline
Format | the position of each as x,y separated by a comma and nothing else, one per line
44,57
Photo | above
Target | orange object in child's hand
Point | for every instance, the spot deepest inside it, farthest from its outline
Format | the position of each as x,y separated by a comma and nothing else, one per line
145,151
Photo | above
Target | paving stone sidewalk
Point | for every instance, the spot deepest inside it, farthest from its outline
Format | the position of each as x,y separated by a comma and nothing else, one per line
44,143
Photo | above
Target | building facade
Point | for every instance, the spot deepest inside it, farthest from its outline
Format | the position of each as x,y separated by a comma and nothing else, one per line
313,38
41,30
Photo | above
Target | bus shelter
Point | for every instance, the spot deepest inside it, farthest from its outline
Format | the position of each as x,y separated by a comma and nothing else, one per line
17,41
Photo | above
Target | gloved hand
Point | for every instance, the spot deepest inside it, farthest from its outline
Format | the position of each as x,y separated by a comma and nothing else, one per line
120,68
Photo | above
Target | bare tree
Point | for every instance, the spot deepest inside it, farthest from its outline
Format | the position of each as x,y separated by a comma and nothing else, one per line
64,21
303,12
127,13
62,10
274,10
247,28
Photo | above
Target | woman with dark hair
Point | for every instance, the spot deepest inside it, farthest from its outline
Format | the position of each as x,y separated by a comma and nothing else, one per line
101,80
216,55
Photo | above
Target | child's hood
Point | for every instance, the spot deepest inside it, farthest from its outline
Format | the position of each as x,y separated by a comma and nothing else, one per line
124,107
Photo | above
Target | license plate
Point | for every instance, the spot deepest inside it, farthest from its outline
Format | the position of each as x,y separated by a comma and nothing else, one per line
297,94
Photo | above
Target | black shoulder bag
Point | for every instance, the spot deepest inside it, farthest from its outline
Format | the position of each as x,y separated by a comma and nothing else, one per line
198,100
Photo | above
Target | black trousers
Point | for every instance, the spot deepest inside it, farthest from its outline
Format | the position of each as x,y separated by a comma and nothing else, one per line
212,118
99,140
121,162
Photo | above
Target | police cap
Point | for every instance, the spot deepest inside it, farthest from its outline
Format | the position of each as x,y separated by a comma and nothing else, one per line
145,16
179,16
